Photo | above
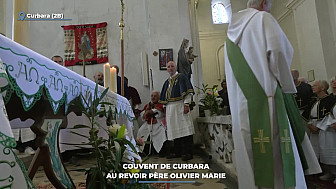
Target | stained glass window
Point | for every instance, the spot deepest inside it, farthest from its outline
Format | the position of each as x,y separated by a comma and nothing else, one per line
219,14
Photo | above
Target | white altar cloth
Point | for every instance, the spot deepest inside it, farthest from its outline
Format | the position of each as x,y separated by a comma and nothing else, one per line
30,73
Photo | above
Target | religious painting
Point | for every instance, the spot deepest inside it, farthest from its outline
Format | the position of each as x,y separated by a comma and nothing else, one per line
165,55
86,42
311,76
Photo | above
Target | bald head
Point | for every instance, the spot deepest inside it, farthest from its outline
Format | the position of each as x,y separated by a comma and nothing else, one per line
99,78
171,68
155,97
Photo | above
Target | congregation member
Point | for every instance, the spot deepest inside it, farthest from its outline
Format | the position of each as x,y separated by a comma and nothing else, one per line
126,93
135,99
257,64
303,80
134,96
327,139
316,111
333,86
303,96
153,115
58,59
176,95
99,78
224,95
304,91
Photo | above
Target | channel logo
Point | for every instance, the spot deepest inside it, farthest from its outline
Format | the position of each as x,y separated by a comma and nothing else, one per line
41,17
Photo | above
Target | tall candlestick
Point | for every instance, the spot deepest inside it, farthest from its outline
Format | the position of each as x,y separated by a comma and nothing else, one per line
122,25
113,79
106,75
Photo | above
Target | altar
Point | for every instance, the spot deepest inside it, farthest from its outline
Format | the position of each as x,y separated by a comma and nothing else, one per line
42,90
216,139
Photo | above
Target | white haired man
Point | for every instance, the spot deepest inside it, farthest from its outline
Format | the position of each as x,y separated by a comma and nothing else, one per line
99,78
153,127
258,57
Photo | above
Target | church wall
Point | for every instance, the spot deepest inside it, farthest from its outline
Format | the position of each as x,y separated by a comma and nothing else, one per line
150,25
19,34
314,41
279,8
326,18
212,63
287,24
332,10
8,17
238,5
204,18
212,38
309,39
285,17
197,76
166,31
2,17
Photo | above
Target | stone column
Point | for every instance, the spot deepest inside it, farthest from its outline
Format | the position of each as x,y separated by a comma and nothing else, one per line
21,28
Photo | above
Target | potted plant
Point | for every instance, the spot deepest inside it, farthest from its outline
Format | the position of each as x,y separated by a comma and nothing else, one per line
109,153
211,101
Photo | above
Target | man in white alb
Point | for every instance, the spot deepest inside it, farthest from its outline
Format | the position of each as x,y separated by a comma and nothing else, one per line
258,57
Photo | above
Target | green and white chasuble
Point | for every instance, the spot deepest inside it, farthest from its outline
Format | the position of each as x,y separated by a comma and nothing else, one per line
258,58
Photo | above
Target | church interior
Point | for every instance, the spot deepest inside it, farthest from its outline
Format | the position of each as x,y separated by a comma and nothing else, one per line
136,34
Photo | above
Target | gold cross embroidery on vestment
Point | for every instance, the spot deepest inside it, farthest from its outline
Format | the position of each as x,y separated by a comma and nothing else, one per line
287,140
323,109
261,140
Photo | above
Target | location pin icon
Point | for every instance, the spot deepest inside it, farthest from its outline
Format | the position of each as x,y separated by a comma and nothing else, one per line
22,15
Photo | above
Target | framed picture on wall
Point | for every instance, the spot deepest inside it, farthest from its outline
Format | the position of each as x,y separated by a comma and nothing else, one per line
165,55
311,76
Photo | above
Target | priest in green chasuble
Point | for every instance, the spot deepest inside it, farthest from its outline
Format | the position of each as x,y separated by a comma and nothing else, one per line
271,146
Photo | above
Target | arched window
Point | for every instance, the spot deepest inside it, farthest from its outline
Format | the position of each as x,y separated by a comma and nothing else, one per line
220,13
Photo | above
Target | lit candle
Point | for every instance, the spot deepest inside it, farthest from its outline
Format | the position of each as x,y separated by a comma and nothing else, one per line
106,75
113,79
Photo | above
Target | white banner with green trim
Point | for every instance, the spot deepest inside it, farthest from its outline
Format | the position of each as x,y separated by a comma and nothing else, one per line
29,73
15,175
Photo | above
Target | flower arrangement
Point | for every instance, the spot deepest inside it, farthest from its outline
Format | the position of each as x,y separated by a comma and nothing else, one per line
110,153
211,99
